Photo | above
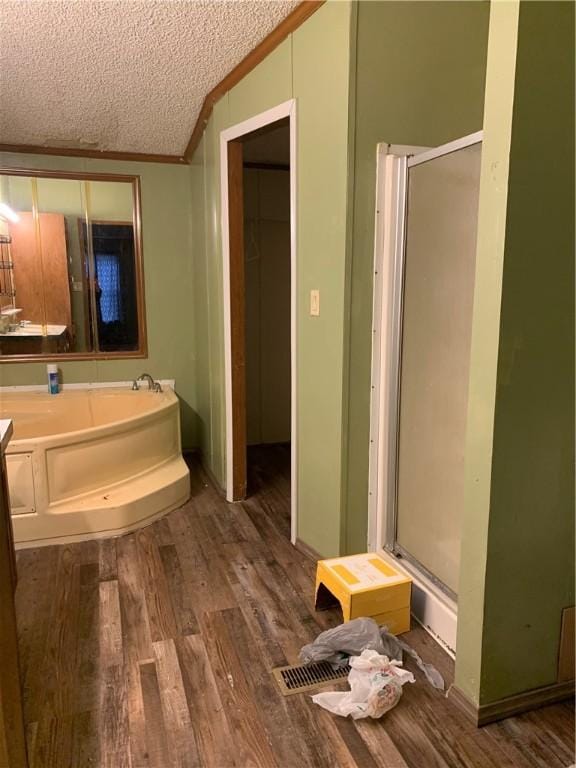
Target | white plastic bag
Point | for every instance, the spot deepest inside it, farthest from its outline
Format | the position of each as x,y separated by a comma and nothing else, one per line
351,638
375,687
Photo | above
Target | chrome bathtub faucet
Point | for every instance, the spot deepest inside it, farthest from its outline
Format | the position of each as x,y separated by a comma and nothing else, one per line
153,386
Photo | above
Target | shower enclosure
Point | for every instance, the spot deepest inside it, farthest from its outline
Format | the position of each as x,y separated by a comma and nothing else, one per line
424,287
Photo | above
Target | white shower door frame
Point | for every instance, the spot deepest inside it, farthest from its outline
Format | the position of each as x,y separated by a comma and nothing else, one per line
431,605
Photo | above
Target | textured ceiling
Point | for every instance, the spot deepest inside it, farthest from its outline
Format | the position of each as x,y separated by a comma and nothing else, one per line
120,75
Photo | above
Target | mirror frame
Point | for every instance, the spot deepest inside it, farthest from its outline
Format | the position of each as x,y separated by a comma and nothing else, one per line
142,351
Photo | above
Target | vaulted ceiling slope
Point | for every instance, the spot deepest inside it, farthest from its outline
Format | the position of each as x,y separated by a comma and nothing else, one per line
120,75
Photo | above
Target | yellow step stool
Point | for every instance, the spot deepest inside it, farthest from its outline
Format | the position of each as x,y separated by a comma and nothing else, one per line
365,585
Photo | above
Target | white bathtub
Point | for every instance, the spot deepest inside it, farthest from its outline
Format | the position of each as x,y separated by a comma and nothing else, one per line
92,462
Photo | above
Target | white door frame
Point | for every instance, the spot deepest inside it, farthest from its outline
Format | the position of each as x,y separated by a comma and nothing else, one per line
391,162
286,109
436,611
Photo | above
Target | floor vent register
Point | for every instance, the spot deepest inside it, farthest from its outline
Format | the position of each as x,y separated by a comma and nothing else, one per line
300,678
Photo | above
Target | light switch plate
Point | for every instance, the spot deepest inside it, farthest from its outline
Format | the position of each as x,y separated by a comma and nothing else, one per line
315,302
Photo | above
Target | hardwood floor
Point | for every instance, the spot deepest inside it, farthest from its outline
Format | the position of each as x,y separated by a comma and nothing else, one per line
154,650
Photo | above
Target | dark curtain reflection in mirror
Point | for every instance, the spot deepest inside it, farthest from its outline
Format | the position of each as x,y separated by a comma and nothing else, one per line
112,298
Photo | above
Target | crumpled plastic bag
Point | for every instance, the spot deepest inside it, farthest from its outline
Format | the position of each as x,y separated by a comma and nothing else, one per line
430,672
338,644
375,687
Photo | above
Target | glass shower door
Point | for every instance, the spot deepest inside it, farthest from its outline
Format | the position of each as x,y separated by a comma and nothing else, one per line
436,320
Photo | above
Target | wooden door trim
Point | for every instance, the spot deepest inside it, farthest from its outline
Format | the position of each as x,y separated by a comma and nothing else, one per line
94,154
237,316
232,245
299,15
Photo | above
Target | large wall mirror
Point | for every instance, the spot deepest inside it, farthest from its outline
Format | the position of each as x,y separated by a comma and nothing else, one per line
71,280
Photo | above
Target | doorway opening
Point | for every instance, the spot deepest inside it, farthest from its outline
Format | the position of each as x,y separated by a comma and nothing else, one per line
259,269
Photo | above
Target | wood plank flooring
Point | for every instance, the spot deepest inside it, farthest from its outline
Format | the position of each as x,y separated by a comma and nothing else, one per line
154,650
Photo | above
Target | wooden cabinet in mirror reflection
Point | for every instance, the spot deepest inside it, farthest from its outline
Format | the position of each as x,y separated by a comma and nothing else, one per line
41,294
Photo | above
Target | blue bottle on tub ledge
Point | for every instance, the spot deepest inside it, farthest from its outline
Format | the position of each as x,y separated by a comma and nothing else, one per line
53,384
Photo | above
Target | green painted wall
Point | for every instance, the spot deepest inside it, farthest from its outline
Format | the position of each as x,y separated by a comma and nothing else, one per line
518,537
169,284
530,560
500,74
420,70
312,65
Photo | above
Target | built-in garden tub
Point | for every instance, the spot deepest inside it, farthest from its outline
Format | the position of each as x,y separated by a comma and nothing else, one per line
92,462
